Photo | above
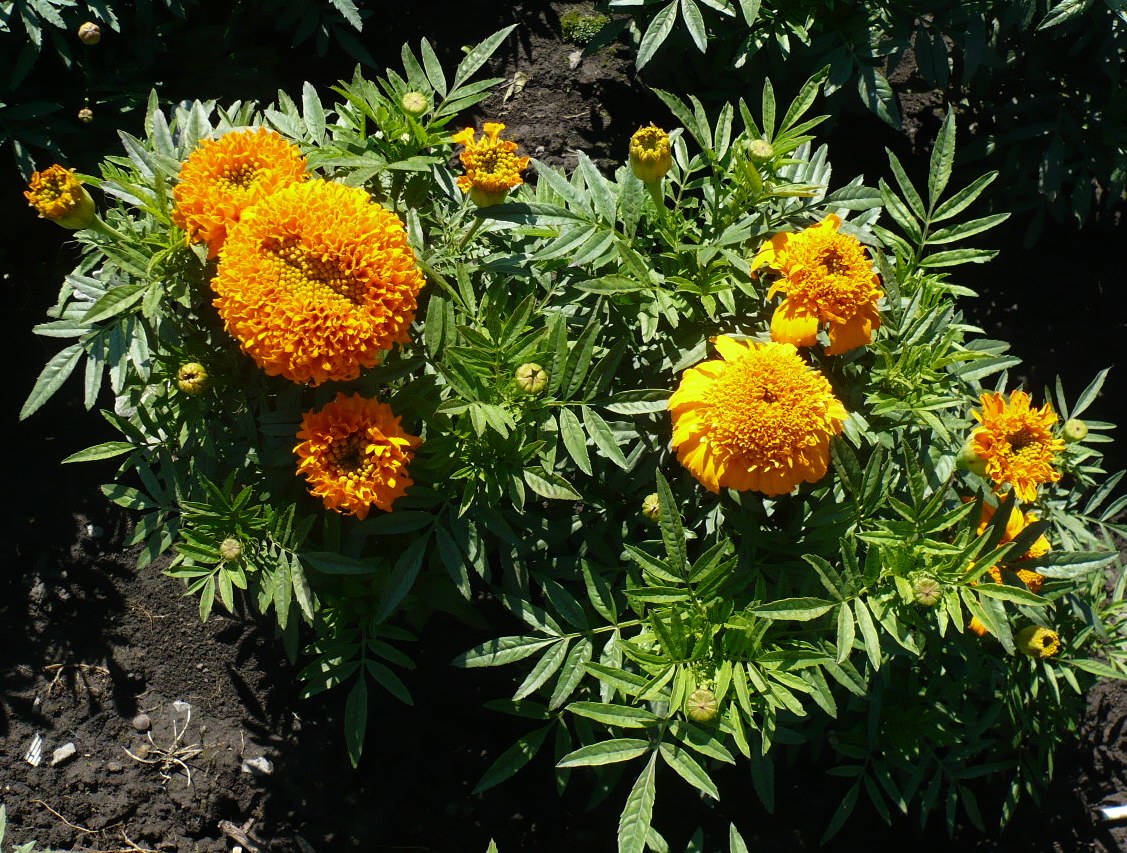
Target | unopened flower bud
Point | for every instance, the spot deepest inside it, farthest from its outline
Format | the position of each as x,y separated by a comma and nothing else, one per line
1075,430
230,549
89,33
531,378
1038,642
759,151
86,115
415,104
650,158
970,460
702,706
926,591
651,508
192,378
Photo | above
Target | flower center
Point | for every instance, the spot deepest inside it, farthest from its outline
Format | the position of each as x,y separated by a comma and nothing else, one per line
348,458
761,405
314,278
241,175
1022,438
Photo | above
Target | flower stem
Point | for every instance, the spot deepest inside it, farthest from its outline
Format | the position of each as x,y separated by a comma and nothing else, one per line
470,232
104,228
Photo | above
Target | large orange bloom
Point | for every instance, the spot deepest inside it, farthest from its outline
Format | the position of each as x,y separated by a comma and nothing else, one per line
225,176
317,281
1016,443
827,279
492,169
355,455
760,418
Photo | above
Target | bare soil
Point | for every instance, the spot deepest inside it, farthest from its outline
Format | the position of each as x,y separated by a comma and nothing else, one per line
88,643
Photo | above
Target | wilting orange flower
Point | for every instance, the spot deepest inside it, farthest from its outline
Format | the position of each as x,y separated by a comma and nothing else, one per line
760,418
650,158
1016,442
316,282
1015,523
225,176
827,279
492,169
58,195
355,455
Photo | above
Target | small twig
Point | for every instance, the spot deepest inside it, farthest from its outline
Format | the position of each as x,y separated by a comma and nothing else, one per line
240,836
63,819
133,847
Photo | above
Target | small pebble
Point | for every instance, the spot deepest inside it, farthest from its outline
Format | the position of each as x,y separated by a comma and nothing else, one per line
142,723
114,767
260,766
63,753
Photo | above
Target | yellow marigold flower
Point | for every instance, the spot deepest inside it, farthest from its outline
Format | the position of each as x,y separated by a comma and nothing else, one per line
492,169
316,282
354,454
58,195
827,279
225,176
1015,523
1017,443
1038,642
760,418
976,627
650,159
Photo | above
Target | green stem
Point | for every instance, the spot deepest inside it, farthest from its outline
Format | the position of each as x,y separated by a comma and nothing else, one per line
106,229
469,233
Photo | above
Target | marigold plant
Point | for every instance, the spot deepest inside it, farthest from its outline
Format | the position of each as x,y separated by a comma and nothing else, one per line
742,558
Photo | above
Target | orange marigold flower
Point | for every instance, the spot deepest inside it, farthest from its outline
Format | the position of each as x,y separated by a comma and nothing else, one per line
492,169
1016,442
759,418
976,627
355,455
1015,523
317,281
58,195
827,279
650,158
225,176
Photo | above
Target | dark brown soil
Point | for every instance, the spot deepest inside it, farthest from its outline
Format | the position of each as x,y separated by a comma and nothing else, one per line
87,642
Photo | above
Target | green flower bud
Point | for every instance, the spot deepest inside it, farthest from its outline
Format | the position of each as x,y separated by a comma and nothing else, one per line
230,549
415,104
89,33
192,379
1075,430
1038,642
531,378
759,151
926,591
702,706
970,460
651,508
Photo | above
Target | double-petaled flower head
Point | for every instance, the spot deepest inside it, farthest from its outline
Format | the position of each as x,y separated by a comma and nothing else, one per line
317,282
355,455
650,157
1015,444
758,418
57,194
491,164
223,177
827,280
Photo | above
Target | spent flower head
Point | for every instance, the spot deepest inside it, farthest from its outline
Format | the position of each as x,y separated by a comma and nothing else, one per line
89,33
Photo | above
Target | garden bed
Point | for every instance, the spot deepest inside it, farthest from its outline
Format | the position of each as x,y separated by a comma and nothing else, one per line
88,643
